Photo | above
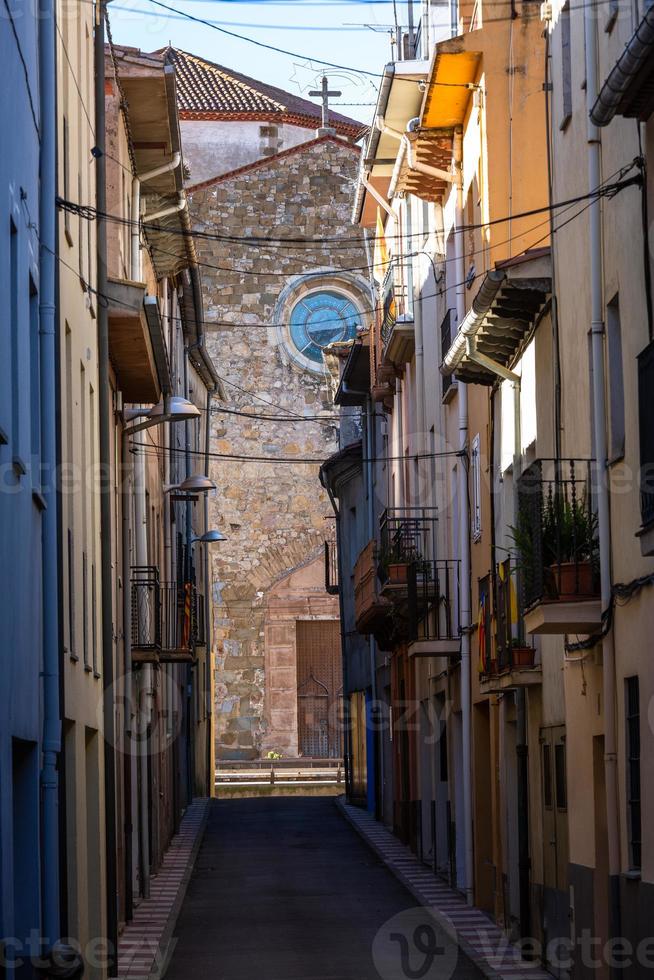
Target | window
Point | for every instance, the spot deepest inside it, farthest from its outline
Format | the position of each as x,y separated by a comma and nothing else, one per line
616,380
85,612
560,776
566,67
645,415
71,595
320,319
547,775
632,712
66,177
475,468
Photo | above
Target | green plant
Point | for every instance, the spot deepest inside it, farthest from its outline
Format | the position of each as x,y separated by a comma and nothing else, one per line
567,533
569,530
274,755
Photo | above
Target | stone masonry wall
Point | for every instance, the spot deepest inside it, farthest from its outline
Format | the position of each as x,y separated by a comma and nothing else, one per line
275,515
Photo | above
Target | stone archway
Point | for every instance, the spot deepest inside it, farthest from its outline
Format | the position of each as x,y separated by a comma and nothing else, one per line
298,597
255,616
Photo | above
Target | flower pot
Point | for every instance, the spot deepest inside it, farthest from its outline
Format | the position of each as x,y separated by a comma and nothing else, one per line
573,579
522,656
398,573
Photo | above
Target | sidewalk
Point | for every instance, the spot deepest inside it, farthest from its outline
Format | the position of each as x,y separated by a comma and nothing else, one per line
146,944
475,933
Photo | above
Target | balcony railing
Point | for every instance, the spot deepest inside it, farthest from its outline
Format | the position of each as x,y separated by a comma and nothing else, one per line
407,534
511,651
167,618
146,616
433,591
556,533
331,567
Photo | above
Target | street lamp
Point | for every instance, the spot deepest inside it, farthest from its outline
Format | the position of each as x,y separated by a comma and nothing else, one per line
196,483
209,537
173,409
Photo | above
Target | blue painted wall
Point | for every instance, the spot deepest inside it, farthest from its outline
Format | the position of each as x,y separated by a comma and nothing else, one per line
20,481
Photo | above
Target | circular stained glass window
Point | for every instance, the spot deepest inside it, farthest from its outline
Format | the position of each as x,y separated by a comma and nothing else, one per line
320,319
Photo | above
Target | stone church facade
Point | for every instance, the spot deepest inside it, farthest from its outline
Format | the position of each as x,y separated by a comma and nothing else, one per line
271,307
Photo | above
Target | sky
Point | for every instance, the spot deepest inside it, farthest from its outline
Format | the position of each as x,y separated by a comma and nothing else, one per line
331,30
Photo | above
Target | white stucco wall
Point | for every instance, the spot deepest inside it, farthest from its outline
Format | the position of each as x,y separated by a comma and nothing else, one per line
215,147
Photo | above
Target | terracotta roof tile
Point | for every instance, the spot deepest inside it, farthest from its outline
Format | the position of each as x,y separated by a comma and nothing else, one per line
207,89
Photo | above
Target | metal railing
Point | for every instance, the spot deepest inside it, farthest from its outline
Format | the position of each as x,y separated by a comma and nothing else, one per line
395,298
433,590
556,537
331,567
166,617
407,534
146,612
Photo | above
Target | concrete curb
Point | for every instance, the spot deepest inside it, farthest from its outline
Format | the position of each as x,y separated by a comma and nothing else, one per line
145,947
159,970
485,945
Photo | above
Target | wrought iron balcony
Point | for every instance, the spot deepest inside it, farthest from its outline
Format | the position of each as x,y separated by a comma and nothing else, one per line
508,660
167,618
407,534
433,601
146,612
397,326
331,567
556,540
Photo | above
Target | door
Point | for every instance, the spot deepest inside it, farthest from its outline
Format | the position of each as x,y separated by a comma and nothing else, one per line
319,689
556,921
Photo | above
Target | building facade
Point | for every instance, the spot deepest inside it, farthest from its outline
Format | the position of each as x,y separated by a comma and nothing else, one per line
504,582
265,299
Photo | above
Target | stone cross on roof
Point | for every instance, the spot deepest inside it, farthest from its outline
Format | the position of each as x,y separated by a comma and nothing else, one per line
325,95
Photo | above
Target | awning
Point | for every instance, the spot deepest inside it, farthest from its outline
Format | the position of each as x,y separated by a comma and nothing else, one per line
354,385
629,89
508,306
450,85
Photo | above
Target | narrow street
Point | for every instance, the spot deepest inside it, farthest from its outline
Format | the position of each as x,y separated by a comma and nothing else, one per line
283,889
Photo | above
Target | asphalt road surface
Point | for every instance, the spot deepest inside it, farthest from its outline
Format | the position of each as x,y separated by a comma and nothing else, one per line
284,889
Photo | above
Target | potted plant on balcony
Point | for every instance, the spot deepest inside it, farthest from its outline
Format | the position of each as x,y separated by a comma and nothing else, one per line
521,655
569,540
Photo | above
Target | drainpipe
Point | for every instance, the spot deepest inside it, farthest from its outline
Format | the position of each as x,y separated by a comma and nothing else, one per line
146,690
49,524
450,176
370,455
207,604
464,534
106,549
165,212
188,669
145,675
522,745
136,210
131,849
603,506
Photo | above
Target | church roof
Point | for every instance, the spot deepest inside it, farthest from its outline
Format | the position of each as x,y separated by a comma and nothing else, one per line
209,91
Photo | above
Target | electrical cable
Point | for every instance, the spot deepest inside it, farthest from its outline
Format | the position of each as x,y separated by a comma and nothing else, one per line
612,189
307,460
90,213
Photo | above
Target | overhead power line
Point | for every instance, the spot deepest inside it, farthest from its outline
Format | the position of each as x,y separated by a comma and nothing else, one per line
148,448
91,213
